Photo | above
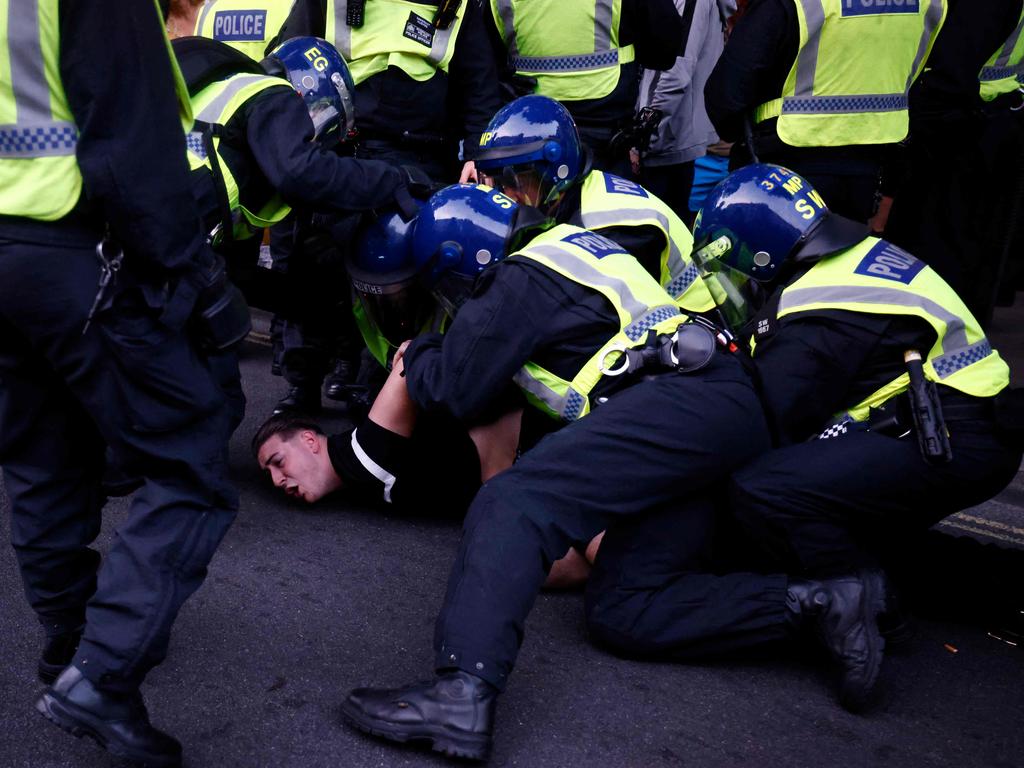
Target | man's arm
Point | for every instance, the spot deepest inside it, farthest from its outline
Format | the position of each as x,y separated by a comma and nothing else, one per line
473,77
307,17
117,74
280,135
657,31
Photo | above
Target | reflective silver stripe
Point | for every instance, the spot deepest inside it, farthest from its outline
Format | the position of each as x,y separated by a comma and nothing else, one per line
569,406
874,102
955,339
373,467
1001,73
342,31
35,132
597,220
1007,52
603,12
580,63
807,59
440,45
931,22
207,7
588,275
213,111
508,20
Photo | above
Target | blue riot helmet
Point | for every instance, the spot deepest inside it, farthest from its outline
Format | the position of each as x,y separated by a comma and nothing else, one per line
756,222
532,151
318,72
460,231
385,278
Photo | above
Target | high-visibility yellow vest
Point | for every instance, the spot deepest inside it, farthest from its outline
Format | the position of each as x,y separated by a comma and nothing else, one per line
607,200
395,33
1004,71
856,62
248,26
876,277
572,48
39,174
214,106
595,262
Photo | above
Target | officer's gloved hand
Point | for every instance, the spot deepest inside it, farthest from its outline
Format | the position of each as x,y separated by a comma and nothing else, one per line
221,314
418,186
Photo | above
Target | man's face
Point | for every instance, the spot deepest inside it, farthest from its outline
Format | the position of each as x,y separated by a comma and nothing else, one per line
298,465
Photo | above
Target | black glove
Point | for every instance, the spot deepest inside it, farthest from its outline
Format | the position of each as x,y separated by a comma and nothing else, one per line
221,315
418,186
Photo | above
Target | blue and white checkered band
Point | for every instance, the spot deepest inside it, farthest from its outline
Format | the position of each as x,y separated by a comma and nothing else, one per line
574,403
679,285
950,363
194,141
55,139
636,330
566,63
835,430
1001,73
836,104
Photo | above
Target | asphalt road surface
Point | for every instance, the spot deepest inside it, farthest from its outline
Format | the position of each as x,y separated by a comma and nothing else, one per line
302,604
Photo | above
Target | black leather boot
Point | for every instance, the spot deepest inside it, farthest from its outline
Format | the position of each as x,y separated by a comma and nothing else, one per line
453,712
303,398
117,721
843,612
58,652
339,381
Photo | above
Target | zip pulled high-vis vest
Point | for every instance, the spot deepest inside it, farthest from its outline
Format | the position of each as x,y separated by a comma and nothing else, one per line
611,201
595,262
876,277
248,26
1004,71
394,33
214,106
572,48
856,62
39,174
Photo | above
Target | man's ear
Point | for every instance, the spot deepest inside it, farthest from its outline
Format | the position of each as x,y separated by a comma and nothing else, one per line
311,440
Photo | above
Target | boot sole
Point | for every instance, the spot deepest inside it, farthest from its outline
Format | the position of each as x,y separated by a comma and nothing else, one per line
76,722
443,740
872,604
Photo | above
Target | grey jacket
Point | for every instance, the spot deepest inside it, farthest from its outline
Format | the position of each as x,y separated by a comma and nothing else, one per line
679,92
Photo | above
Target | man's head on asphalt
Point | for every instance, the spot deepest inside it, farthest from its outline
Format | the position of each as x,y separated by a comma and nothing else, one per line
293,449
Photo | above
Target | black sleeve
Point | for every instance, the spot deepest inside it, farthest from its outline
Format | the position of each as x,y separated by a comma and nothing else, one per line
656,29
473,76
753,67
644,243
280,135
370,460
468,371
116,71
307,18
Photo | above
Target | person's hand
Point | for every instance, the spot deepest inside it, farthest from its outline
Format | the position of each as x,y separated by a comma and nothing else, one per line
469,173
634,160
400,353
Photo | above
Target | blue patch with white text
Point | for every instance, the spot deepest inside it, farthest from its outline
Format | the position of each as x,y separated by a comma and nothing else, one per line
887,261
618,185
596,245
240,25
878,7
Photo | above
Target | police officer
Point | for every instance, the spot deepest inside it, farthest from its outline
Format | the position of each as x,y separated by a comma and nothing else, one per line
966,136
587,54
103,279
249,26
424,73
257,148
532,152
800,71
558,317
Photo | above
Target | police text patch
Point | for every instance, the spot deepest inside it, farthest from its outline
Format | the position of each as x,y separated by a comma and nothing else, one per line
877,7
887,261
597,245
240,25
419,30
621,186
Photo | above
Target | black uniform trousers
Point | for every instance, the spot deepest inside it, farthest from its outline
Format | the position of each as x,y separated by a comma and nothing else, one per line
134,385
661,444
827,507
